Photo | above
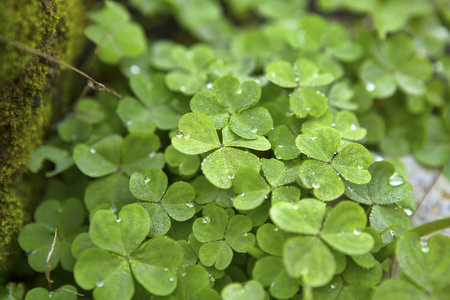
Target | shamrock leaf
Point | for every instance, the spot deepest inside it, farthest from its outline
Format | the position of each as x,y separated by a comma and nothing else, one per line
251,188
186,164
193,283
283,143
385,187
271,239
221,236
117,35
59,157
270,272
344,231
113,154
66,292
390,222
198,135
322,145
206,193
176,202
252,290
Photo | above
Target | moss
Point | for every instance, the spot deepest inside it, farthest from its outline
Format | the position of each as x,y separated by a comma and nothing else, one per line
28,99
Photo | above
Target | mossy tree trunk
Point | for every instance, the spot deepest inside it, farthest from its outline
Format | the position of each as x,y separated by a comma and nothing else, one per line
31,95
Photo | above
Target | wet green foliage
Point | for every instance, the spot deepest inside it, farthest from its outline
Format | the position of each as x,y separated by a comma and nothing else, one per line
244,167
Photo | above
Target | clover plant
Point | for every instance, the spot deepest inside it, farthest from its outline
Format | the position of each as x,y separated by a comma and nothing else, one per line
252,154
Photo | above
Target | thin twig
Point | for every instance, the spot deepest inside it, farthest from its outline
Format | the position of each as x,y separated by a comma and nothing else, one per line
426,194
47,262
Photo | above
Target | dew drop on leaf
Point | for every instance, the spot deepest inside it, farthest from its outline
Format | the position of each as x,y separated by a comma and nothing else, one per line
152,154
206,219
254,129
60,210
333,286
272,284
333,124
183,274
180,165
350,189
209,85
391,232
172,278
179,134
313,137
280,146
129,122
275,229
166,269
396,180
231,175
135,70
308,108
149,86
187,136
370,87
189,204
99,283
408,211
353,127
425,249
245,234
118,219
316,185
242,194
239,91
357,231
92,150
295,207
360,167
182,88
146,179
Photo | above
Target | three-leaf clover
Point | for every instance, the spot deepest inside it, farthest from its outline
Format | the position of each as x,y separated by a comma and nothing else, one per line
303,75
60,157
175,202
231,103
328,163
120,252
135,153
309,256
198,135
221,236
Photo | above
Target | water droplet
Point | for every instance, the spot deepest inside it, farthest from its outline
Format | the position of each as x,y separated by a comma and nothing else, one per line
135,69
295,207
179,134
408,211
206,219
257,81
60,210
313,137
353,127
182,88
239,91
254,129
149,86
190,204
99,283
152,154
183,274
391,232
189,54
172,278
245,234
316,185
272,284
396,180
308,108
297,79
166,269
242,194
350,189
333,286
304,270
146,179
357,231
187,136
209,85
425,249
118,219
360,167
180,165
231,175
280,146
92,150
333,124
370,87
275,229
266,197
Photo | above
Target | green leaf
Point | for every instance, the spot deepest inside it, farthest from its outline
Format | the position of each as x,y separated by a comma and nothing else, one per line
237,235
186,164
53,213
150,187
377,80
252,123
102,158
307,101
108,274
160,224
135,117
343,230
211,227
177,201
204,102
351,163
269,271
281,73
348,126
190,282
252,290
74,129
65,292
154,264
271,239
322,178
322,144
220,166
197,134
276,173
283,143
216,253
384,188
235,97
59,157
398,289
309,258
251,188
231,139
81,243
187,84
304,217
122,234
390,222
